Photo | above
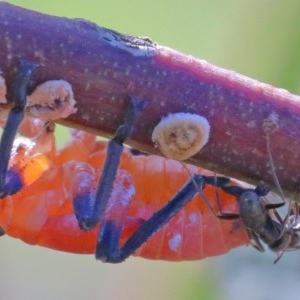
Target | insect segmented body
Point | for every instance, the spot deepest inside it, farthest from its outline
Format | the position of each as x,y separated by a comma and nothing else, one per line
42,212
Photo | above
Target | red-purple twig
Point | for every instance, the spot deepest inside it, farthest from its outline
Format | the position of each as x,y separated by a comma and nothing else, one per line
105,67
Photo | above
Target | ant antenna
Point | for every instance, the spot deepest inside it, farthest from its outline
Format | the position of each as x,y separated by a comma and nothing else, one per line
270,125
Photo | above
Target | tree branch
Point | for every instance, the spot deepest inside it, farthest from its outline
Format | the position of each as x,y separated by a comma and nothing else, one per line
104,67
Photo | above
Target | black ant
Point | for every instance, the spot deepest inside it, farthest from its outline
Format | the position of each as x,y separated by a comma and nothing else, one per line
261,219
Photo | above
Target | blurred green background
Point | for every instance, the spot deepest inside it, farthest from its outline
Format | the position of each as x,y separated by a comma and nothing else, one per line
257,38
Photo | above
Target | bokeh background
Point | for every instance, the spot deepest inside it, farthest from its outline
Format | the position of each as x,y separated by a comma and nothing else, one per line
258,38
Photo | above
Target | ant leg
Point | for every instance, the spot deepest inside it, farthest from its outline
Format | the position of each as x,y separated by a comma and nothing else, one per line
216,182
274,206
89,212
254,241
10,183
235,191
108,249
221,183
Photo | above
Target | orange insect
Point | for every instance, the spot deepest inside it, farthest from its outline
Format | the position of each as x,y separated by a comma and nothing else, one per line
42,212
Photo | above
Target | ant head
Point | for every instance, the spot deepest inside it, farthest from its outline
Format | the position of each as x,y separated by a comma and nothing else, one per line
262,189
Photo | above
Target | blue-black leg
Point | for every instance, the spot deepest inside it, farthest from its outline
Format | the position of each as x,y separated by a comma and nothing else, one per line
89,212
2,232
9,183
108,249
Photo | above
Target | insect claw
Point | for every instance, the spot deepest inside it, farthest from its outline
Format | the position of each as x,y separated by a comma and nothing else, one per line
278,257
107,249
